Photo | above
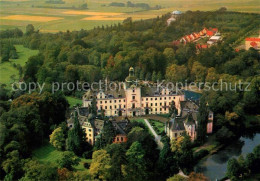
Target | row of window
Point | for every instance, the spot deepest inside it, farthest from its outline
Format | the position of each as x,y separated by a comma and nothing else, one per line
115,101
165,98
110,107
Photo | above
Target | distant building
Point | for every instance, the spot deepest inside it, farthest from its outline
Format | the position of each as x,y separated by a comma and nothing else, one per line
187,121
174,16
253,42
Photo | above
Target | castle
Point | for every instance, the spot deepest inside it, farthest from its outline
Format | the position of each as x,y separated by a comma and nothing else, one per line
133,99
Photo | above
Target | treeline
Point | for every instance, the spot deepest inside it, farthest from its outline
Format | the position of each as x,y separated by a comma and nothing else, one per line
137,5
24,125
242,168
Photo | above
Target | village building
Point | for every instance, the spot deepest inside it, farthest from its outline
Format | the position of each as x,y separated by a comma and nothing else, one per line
174,16
186,121
253,42
133,99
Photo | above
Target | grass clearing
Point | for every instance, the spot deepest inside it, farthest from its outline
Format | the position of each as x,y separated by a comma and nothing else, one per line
73,101
48,154
6,68
157,126
30,18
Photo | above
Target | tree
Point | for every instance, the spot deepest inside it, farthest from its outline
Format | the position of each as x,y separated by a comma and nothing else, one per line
118,160
68,160
57,139
169,55
202,120
167,163
176,73
198,71
76,137
29,29
233,169
108,133
38,171
93,107
13,165
100,165
173,111
197,177
135,168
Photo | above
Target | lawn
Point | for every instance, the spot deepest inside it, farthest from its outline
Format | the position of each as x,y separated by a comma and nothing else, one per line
157,126
48,154
73,101
7,70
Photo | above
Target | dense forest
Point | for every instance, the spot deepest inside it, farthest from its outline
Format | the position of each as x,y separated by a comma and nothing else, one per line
108,52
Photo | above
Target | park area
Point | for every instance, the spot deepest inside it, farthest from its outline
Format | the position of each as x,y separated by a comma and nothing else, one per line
8,72
77,14
48,154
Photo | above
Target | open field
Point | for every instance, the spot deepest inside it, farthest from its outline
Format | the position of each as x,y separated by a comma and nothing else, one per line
62,17
48,154
7,70
73,101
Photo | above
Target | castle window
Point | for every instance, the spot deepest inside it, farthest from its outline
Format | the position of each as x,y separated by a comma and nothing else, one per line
115,112
117,139
155,104
133,90
89,134
122,139
133,105
115,101
160,98
115,107
165,98
173,97
105,107
133,97
89,130
176,135
124,106
160,103
105,102
110,101
110,107
151,104
151,99
170,98
155,98
124,100
147,99
119,100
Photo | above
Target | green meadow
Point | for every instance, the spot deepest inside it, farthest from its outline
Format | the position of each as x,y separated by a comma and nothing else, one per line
73,101
48,154
8,73
68,16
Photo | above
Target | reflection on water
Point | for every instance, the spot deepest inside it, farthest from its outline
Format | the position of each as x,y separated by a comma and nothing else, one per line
214,167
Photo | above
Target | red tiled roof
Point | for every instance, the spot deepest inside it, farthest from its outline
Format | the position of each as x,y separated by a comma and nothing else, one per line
204,46
215,29
210,33
253,39
253,44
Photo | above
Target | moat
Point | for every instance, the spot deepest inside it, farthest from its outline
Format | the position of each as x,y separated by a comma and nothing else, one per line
214,167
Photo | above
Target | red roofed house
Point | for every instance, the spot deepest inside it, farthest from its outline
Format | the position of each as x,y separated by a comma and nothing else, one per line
253,42
210,33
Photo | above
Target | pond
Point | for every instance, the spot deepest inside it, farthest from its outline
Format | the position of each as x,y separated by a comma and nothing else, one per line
215,166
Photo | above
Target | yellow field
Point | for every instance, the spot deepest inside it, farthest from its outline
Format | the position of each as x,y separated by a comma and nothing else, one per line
92,13
102,18
30,18
62,17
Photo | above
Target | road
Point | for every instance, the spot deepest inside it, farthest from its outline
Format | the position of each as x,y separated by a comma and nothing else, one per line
157,137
